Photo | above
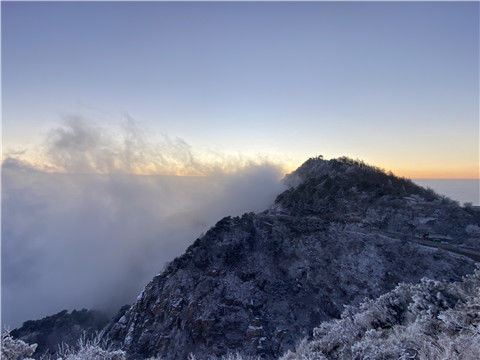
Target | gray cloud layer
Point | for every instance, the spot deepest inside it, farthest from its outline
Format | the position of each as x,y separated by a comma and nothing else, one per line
94,239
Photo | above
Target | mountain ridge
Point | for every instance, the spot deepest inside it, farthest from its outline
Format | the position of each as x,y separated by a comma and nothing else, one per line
342,233
260,282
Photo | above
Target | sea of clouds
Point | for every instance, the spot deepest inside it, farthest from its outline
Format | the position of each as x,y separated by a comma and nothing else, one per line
88,229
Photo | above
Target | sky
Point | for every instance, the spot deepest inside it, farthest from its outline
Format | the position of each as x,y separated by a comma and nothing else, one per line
233,95
394,84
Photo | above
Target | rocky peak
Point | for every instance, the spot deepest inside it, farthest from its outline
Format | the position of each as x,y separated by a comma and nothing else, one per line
319,182
259,283
350,192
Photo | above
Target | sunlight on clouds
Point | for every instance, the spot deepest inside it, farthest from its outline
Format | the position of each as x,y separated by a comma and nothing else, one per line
79,147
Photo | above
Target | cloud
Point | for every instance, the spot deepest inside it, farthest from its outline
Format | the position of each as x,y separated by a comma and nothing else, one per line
93,233
80,146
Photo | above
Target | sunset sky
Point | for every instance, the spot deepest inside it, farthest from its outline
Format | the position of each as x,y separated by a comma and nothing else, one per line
394,84
217,101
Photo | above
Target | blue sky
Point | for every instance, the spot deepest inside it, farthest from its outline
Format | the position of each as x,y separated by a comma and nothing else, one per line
395,84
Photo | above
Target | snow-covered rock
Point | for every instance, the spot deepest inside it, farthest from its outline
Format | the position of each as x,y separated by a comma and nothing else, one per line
259,283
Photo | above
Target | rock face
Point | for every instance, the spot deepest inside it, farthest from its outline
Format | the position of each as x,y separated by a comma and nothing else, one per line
62,328
259,283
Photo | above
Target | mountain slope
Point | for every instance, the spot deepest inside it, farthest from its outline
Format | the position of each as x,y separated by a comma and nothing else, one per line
63,328
259,283
431,320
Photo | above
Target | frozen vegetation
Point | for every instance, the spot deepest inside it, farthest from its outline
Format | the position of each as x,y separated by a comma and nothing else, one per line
62,328
86,348
430,320
360,263
15,349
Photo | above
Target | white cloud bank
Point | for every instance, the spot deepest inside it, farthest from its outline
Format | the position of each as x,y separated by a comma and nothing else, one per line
92,234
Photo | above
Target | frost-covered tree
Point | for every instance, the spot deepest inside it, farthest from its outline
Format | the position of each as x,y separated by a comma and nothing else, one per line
86,349
95,348
431,320
14,349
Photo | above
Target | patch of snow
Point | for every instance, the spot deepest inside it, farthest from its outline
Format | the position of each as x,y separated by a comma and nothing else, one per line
425,220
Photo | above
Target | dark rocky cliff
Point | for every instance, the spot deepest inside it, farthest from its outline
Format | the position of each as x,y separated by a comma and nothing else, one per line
259,283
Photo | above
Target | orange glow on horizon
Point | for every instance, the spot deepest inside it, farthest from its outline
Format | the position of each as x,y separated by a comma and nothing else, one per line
210,168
